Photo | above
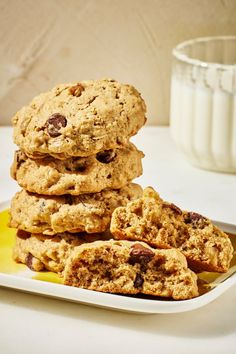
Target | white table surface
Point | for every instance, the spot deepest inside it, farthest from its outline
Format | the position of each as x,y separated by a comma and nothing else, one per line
34,324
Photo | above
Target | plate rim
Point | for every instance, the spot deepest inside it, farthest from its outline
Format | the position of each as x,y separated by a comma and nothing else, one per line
111,301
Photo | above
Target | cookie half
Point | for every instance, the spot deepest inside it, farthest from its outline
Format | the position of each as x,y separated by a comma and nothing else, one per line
111,169
79,119
51,215
128,267
164,225
40,252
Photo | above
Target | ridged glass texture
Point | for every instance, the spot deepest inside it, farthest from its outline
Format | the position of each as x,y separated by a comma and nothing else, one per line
203,102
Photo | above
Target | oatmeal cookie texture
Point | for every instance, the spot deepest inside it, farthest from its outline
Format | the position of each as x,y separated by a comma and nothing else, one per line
75,165
42,252
130,268
79,119
77,175
87,212
164,225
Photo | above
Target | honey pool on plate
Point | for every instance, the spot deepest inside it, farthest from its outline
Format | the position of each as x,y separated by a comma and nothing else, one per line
9,266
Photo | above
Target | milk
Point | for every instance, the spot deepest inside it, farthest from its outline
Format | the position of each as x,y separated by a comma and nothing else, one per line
203,124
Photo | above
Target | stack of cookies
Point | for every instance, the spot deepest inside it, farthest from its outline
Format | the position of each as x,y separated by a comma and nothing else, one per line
75,165
78,213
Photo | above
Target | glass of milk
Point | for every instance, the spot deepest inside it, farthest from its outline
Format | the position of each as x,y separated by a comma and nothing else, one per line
203,102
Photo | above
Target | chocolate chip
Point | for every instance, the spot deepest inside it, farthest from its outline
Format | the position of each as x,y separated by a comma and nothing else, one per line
54,123
29,261
192,216
81,168
106,156
76,90
108,274
196,220
173,207
69,199
41,206
138,282
23,234
140,254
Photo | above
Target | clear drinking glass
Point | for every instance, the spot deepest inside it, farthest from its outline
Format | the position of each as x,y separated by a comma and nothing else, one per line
203,101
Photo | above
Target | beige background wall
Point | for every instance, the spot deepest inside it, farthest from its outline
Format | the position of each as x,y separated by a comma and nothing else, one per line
51,41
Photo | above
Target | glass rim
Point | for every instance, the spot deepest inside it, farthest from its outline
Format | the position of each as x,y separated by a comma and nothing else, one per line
176,52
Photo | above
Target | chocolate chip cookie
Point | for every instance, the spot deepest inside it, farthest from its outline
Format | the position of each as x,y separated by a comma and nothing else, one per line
51,215
42,252
164,225
107,169
79,119
128,267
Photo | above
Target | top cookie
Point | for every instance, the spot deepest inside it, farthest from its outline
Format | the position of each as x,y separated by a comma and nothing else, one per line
79,119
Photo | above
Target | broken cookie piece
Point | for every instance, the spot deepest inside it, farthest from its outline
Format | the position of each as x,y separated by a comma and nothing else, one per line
164,225
127,267
208,248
